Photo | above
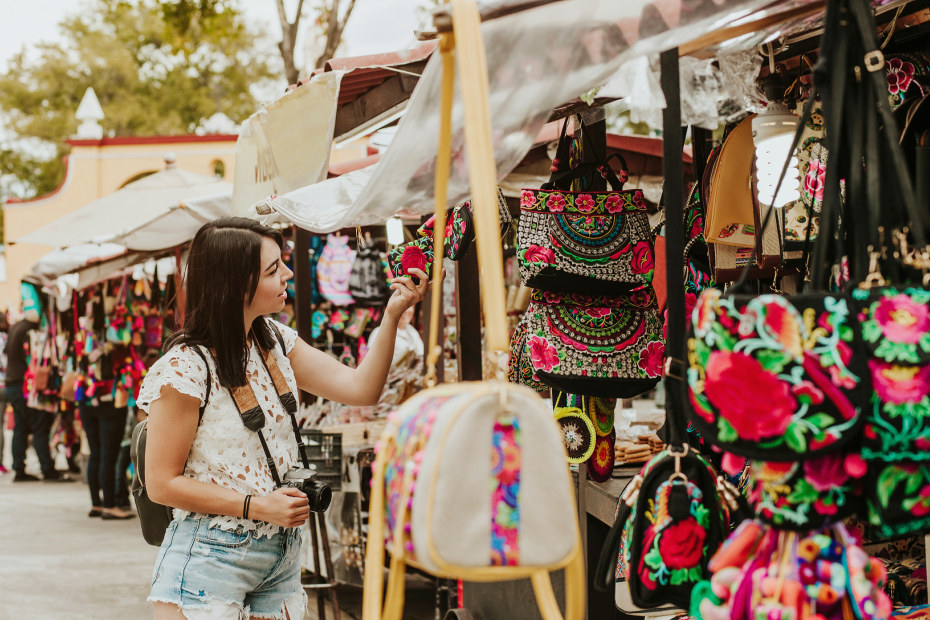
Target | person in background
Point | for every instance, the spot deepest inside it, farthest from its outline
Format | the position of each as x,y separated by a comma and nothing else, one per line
4,329
28,421
104,425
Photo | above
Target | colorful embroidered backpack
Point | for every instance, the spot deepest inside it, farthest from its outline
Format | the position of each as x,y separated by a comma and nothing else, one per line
334,270
470,480
671,518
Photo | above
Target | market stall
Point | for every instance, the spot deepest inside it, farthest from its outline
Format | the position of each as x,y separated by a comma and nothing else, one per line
773,251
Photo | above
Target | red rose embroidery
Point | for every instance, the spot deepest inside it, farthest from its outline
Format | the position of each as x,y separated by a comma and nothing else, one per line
412,258
756,402
643,260
682,544
899,75
826,472
539,254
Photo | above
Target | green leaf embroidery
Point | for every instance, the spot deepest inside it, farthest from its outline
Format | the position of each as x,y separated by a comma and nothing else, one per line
726,432
896,351
727,342
888,481
913,484
774,361
654,559
702,351
794,438
701,515
803,492
924,343
821,420
871,331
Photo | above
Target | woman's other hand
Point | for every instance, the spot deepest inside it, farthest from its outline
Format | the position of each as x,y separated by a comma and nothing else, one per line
285,506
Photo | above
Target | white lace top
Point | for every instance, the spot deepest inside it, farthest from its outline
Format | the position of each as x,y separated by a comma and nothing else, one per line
224,451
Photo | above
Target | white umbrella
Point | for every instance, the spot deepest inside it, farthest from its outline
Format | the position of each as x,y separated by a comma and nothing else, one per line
128,209
177,224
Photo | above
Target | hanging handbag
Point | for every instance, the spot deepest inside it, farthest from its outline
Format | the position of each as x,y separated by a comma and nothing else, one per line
368,281
673,515
596,346
417,254
589,242
511,513
460,227
670,520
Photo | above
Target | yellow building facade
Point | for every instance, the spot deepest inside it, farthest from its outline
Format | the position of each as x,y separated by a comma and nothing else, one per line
94,169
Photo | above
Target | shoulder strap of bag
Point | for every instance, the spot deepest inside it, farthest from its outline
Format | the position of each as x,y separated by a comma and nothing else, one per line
206,396
673,171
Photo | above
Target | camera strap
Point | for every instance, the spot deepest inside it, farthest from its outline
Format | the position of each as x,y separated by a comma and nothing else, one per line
254,418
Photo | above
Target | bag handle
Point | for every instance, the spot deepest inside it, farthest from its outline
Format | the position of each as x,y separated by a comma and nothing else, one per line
482,171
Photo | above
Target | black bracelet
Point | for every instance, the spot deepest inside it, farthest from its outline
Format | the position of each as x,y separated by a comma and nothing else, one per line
245,506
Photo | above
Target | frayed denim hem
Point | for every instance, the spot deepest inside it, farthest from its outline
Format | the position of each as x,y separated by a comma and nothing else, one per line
208,610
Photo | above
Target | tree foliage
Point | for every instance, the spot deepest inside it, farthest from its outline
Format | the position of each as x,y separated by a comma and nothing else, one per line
158,68
332,16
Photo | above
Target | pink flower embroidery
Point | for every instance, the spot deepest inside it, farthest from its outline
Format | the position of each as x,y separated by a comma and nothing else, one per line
638,200
826,472
899,75
651,359
544,356
614,204
527,198
641,298
901,319
556,203
815,180
539,254
585,203
598,313
900,384
553,297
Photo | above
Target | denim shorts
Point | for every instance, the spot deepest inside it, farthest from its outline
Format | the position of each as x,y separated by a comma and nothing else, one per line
216,574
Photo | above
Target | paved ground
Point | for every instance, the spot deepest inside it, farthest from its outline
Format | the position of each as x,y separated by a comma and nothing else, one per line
55,562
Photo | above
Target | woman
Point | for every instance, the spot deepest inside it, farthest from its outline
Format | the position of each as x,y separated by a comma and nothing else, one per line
232,550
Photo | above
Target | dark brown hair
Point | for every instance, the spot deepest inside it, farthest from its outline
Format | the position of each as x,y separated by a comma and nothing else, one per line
222,273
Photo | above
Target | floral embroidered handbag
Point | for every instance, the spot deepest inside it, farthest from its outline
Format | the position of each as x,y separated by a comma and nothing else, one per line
671,519
460,227
589,242
807,495
596,346
417,254
520,365
510,513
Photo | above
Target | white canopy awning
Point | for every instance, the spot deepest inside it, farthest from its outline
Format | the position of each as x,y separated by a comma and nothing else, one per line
176,225
124,212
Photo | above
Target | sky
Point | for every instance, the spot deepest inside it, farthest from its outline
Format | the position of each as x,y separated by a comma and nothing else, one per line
23,22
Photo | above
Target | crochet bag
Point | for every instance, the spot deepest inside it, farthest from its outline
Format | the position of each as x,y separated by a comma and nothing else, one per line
334,270
596,346
589,242
670,520
510,513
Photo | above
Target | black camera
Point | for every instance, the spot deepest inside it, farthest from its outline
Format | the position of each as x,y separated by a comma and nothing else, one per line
318,493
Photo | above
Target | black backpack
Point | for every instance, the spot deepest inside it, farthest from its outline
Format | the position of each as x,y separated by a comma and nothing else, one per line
154,518
367,280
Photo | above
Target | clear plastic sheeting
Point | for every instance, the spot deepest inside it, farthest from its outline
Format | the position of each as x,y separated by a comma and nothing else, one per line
538,59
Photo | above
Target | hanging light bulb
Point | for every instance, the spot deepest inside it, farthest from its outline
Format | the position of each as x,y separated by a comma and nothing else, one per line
395,231
773,134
